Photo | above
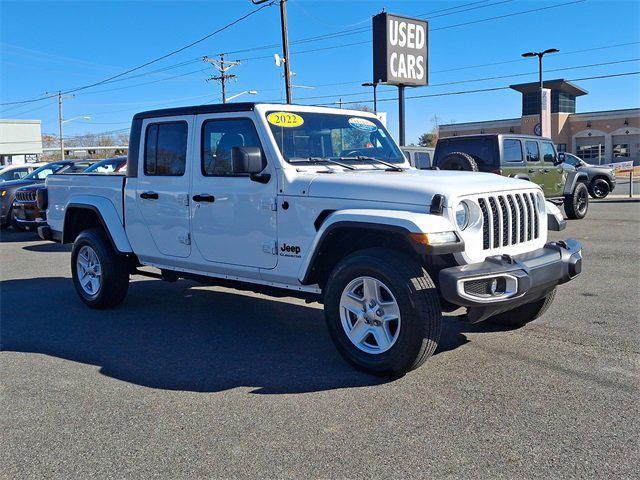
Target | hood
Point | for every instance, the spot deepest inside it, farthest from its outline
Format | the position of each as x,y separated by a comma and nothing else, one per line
13,184
597,168
415,187
34,186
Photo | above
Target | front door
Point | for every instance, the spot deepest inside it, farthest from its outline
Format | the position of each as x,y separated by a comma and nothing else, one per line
554,174
233,218
163,184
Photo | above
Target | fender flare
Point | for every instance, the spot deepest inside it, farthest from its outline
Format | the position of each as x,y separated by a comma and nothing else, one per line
108,217
400,222
572,179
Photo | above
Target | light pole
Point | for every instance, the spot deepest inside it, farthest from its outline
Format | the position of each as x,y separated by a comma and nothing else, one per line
83,117
375,97
540,55
285,45
250,92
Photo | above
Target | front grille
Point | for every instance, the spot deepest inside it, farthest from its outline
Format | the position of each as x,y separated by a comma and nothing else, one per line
508,219
28,196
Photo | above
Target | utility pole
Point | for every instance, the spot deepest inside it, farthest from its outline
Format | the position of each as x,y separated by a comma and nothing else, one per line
375,97
60,118
223,67
285,45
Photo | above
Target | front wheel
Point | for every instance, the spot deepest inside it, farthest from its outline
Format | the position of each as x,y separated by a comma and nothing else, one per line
576,204
520,316
100,274
383,312
599,188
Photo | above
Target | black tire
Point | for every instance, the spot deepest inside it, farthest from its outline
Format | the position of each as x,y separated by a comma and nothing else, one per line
599,188
459,161
520,316
114,270
577,203
419,306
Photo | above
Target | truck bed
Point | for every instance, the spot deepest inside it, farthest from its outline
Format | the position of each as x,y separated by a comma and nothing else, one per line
65,189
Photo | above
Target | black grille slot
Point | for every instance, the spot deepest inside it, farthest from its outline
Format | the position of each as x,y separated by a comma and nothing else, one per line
485,223
535,215
496,227
514,230
521,212
26,196
505,221
527,205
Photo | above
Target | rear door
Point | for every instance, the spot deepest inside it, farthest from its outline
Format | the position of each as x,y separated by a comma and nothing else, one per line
554,174
534,166
233,218
163,183
513,162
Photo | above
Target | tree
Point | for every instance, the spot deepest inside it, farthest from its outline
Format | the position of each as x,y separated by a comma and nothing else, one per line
429,139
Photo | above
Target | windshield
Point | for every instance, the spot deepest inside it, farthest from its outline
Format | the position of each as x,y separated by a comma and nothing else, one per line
105,166
46,170
305,136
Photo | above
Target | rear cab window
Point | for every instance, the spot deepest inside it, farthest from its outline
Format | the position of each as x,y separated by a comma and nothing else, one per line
512,150
482,149
165,151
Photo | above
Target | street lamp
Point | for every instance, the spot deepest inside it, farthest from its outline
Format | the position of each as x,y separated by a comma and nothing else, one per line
375,98
250,92
540,55
83,117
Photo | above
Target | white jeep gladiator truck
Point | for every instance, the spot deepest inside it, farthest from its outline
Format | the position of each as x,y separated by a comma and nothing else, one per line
316,203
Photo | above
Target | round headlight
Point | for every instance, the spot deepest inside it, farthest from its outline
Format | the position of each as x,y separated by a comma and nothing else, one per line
462,215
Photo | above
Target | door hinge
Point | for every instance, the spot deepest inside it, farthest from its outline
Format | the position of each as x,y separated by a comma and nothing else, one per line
269,204
270,247
186,239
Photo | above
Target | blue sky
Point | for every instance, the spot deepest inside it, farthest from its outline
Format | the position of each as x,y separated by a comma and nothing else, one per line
47,46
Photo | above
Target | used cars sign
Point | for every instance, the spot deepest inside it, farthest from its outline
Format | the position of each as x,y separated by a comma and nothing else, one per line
400,50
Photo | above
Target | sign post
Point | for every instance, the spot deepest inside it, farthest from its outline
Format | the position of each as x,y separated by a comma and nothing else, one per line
545,130
400,56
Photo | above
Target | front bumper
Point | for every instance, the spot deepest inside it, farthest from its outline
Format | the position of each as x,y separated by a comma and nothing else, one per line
505,282
28,215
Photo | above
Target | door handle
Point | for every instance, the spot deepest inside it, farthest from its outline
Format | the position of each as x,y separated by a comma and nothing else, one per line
204,197
149,195
532,170
546,170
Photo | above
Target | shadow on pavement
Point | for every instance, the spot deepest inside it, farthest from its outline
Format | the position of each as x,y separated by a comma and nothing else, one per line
182,337
11,235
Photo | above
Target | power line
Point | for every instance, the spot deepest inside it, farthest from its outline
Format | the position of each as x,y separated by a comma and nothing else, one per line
463,92
178,50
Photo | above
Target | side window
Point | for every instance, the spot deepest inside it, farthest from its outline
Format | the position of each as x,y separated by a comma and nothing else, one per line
165,149
533,154
219,137
548,153
512,150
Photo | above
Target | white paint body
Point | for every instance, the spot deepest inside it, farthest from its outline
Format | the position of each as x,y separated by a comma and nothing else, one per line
243,235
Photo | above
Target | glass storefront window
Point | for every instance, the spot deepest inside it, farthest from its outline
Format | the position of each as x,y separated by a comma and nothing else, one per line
621,150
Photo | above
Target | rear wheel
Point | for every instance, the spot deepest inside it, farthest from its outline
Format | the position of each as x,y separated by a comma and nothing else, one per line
459,161
383,312
100,274
599,188
576,204
519,317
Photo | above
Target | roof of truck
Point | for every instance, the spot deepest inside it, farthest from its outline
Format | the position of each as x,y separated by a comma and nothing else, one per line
197,109
488,135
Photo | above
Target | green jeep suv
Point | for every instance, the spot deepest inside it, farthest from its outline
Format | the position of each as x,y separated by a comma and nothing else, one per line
520,156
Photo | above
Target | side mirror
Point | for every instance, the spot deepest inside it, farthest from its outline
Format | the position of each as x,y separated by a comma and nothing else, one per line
249,160
560,159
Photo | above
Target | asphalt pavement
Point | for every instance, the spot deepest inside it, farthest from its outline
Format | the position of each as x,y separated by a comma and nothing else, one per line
190,381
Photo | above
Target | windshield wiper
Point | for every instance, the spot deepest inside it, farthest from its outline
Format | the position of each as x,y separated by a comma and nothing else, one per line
319,160
361,158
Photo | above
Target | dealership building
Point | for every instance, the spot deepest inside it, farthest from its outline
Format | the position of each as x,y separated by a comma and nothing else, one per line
597,137
20,141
